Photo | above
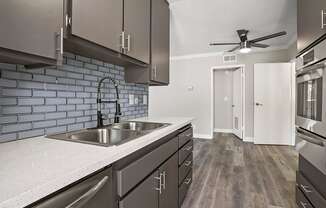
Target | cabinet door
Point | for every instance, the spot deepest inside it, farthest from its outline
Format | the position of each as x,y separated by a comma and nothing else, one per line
310,22
32,27
144,195
169,171
137,29
160,44
98,21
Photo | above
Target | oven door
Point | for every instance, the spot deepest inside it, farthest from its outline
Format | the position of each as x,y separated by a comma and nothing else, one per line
311,99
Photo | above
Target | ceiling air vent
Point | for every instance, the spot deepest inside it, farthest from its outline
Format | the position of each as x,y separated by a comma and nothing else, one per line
230,58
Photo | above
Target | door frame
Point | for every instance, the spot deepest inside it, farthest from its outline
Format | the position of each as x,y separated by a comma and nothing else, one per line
243,77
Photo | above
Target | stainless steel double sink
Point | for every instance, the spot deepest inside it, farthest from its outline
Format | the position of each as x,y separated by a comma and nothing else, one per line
113,134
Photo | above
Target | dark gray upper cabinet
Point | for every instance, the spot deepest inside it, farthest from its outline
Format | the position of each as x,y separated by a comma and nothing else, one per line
169,196
158,71
31,32
311,22
116,31
160,43
137,29
102,25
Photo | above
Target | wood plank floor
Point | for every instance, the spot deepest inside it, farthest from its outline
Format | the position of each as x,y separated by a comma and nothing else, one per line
231,174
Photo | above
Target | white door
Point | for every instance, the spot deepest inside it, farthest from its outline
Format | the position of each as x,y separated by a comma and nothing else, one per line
273,104
237,118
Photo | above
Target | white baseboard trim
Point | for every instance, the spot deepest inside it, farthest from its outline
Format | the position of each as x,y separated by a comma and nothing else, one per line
203,136
248,139
223,130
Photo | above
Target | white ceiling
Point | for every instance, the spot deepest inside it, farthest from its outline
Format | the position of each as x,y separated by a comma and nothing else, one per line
196,23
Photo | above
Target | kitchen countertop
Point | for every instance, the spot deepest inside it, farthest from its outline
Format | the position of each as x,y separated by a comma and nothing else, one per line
31,169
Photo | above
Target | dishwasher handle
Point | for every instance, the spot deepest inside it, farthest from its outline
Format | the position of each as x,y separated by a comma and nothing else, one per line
309,137
82,200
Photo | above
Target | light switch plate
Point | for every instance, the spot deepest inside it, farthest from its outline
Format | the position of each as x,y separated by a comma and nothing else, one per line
131,99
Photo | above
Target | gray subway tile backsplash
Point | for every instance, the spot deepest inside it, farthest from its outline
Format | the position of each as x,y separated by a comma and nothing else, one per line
34,102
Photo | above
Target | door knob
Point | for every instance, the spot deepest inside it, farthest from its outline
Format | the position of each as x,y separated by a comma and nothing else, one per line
233,106
259,104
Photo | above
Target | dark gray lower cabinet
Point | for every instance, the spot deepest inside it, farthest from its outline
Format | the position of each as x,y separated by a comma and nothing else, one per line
94,192
169,194
144,195
160,189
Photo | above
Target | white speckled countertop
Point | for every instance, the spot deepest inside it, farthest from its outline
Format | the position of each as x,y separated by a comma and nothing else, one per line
33,168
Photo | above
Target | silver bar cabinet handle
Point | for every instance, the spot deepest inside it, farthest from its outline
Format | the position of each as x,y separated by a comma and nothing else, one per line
187,181
122,36
128,43
323,19
188,148
304,205
60,35
164,179
159,189
188,163
305,189
82,200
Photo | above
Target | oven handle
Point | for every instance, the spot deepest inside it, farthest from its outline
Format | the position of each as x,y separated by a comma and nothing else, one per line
309,68
309,137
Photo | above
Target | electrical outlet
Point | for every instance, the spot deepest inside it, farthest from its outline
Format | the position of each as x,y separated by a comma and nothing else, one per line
131,99
144,99
136,100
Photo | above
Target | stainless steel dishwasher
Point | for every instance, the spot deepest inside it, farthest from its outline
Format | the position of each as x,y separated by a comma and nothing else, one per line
93,192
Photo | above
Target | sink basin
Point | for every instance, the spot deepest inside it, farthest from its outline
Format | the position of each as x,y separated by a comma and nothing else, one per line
138,126
103,137
113,134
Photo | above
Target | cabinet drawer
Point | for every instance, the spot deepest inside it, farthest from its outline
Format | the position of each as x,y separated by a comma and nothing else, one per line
301,200
313,175
185,136
132,174
185,168
311,193
183,189
185,151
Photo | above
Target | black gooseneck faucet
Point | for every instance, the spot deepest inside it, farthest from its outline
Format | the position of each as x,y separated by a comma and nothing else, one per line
99,102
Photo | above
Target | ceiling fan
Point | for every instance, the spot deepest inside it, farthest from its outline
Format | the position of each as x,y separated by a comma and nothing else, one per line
245,44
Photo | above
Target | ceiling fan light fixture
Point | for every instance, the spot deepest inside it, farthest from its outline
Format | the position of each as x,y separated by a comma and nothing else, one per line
245,50
245,47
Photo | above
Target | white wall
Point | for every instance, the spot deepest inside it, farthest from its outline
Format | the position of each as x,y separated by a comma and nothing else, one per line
177,100
223,99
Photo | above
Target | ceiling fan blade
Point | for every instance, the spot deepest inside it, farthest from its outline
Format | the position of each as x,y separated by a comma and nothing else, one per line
259,45
234,49
268,37
243,35
217,44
